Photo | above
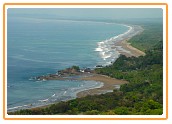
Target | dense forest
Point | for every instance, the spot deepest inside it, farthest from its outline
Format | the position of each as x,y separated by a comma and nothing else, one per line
143,95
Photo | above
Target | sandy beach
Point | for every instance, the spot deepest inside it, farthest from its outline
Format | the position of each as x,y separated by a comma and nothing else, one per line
130,50
125,48
109,85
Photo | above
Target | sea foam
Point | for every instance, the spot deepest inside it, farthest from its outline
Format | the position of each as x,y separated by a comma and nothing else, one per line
109,54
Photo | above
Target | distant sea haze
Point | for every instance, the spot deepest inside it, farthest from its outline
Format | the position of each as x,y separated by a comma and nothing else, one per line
42,46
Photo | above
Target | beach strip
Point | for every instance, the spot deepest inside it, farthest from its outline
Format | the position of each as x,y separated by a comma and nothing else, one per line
125,48
109,85
129,50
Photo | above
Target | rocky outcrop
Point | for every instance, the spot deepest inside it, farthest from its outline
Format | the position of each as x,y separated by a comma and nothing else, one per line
69,71
66,73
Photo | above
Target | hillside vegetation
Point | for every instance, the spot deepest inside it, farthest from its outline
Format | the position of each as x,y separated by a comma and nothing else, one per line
151,35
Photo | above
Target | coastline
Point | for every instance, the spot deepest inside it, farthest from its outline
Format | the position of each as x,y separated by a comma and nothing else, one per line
124,47
133,51
119,44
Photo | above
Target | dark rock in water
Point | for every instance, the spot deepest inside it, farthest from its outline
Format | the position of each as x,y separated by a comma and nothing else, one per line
99,66
48,77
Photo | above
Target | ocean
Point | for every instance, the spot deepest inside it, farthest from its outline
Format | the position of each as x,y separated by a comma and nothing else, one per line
38,47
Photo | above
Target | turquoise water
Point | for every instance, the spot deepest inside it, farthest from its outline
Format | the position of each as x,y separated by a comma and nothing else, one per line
42,46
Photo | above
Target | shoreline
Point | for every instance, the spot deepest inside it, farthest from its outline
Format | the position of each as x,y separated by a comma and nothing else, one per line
125,48
110,49
109,85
